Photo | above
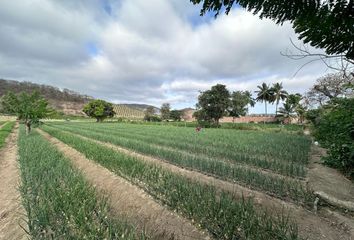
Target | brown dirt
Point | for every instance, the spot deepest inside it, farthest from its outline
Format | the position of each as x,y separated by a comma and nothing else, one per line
130,201
328,180
12,213
311,226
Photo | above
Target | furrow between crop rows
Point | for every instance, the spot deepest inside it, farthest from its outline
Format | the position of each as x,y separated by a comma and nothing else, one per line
60,204
284,147
207,152
220,214
280,187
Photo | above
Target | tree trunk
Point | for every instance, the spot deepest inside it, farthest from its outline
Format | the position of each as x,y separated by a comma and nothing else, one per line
265,104
276,108
28,127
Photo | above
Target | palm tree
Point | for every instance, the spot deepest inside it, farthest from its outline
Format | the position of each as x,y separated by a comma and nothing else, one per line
287,111
264,94
278,94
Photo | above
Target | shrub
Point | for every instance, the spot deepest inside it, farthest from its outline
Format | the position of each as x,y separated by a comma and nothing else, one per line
335,131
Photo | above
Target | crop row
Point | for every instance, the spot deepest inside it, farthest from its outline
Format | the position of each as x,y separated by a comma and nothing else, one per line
5,131
287,147
205,151
274,185
220,214
60,204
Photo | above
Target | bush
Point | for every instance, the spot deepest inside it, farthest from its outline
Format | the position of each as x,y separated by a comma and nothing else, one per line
152,118
335,131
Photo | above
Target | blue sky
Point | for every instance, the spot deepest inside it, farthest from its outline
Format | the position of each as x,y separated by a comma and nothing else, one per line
149,52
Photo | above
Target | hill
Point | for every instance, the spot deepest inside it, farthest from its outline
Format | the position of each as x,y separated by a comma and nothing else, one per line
67,101
127,112
140,107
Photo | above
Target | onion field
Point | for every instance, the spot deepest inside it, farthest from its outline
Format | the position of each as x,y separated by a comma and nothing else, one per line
247,184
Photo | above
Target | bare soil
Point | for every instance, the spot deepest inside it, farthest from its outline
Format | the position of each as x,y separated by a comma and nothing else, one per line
320,226
12,214
329,180
129,201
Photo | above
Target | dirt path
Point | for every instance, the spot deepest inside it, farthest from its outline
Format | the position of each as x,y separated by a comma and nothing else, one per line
316,227
130,201
329,184
12,213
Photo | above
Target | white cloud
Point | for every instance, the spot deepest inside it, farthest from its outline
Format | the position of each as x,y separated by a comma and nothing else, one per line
147,51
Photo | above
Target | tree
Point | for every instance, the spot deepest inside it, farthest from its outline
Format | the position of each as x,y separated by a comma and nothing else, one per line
176,115
213,104
287,111
264,94
291,106
99,109
29,108
322,24
278,94
165,111
328,87
150,115
240,100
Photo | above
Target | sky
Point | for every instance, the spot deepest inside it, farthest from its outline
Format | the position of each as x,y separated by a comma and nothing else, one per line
138,51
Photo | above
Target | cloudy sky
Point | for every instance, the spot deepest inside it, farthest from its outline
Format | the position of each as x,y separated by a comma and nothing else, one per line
139,51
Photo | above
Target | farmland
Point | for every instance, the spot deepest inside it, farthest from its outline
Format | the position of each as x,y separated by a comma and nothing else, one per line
87,180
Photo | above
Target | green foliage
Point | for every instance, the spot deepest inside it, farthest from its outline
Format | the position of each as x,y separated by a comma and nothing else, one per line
335,130
99,109
5,130
322,24
223,216
60,204
278,94
264,94
27,107
176,115
165,111
291,107
240,100
314,115
150,115
213,104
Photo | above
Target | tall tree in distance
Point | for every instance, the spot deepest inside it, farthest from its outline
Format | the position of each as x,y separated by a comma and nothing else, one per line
278,94
264,94
240,100
99,109
176,115
322,24
213,104
165,111
29,108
